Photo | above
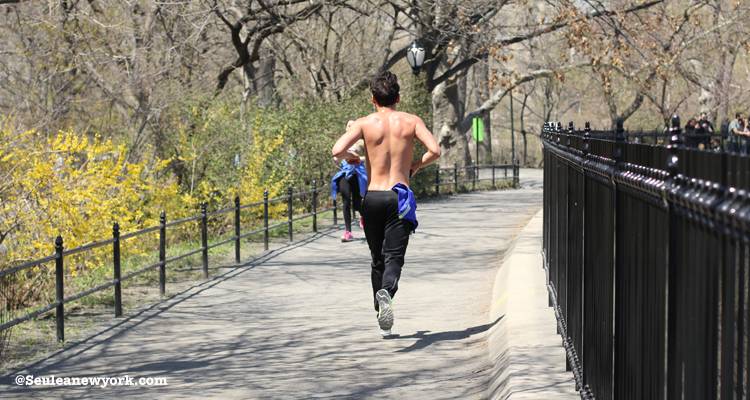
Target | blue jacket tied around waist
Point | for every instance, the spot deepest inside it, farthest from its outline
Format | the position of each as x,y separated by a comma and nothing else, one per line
407,204
346,170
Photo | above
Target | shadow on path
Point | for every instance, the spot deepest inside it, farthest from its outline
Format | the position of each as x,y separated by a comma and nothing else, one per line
122,326
424,338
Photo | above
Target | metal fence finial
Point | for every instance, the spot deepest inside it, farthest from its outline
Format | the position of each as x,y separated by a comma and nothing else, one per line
675,136
571,132
586,137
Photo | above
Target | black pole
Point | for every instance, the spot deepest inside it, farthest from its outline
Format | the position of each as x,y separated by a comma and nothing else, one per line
204,238
162,253
59,293
315,205
488,135
237,229
512,132
474,178
476,139
290,208
265,219
493,176
116,267
437,180
455,178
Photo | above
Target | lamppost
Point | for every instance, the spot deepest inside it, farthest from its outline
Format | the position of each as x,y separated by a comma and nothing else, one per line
415,57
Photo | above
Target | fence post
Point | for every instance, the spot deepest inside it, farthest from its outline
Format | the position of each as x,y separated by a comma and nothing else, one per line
237,243
620,139
290,193
455,177
265,219
59,293
474,178
674,183
116,267
493,177
162,253
204,238
437,180
315,205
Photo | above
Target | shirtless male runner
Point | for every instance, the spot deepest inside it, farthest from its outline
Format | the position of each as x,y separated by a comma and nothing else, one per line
389,207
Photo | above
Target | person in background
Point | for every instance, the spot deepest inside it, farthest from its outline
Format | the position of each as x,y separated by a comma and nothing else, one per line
736,131
705,129
689,135
743,139
351,182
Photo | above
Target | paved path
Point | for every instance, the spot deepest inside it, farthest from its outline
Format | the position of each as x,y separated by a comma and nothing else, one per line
300,325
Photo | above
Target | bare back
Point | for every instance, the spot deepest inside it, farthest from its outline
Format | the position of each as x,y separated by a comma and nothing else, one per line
389,137
389,146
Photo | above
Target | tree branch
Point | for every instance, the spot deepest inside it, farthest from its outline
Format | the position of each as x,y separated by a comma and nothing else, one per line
496,98
536,33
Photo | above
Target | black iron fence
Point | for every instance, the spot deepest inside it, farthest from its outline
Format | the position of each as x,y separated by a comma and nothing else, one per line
647,250
721,140
446,180
471,177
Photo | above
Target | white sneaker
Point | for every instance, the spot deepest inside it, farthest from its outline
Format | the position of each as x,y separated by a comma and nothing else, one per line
385,333
385,309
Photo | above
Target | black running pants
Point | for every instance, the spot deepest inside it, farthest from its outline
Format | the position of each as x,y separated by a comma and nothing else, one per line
387,235
349,189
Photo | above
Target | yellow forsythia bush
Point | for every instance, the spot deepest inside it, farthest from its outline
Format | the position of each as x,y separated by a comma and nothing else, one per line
76,187
259,174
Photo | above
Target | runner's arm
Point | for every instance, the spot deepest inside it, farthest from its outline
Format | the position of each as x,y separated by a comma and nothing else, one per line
341,150
433,148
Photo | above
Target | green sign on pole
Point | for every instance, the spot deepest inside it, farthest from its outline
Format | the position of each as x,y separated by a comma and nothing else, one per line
477,129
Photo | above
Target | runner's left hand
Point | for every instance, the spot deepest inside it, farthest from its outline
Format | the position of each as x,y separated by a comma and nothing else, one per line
415,166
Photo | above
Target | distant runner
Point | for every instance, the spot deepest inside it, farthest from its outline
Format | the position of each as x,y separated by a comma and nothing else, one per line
389,206
351,182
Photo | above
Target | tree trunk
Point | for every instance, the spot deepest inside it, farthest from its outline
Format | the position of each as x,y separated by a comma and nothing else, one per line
259,82
246,89
265,83
447,112
523,127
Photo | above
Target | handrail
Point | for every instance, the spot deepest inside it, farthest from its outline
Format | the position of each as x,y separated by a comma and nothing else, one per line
27,265
183,220
139,233
89,246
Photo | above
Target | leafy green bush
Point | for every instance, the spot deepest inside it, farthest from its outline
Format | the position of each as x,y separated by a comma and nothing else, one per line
213,135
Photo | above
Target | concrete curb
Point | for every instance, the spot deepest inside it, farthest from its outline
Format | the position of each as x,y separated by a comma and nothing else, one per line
526,353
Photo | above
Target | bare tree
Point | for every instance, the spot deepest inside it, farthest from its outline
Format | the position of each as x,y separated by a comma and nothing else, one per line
103,65
458,35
